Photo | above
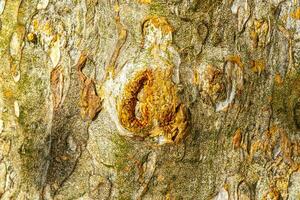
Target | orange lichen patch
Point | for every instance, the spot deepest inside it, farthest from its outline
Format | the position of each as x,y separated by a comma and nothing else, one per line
116,7
260,29
160,178
150,106
272,194
145,1
13,68
30,37
254,37
269,141
256,146
296,14
159,23
278,79
237,138
258,66
35,24
272,131
226,187
213,78
276,146
282,184
211,73
47,29
127,111
296,149
258,24
235,59
8,93
196,78
90,103
55,39
274,137
169,196
57,84
80,65
285,145
175,125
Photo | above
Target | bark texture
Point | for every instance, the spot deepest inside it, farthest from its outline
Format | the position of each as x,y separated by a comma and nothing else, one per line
150,99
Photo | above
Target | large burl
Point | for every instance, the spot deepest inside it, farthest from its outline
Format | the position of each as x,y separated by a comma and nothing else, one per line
150,106
142,98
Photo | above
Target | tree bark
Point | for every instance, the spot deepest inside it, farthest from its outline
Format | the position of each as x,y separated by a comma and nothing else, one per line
150,99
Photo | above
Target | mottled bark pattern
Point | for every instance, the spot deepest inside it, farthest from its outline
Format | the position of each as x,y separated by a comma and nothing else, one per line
234,66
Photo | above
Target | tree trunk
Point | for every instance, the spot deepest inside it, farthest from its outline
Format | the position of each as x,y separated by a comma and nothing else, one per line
150,99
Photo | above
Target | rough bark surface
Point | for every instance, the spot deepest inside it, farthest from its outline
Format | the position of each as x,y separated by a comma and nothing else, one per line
150,99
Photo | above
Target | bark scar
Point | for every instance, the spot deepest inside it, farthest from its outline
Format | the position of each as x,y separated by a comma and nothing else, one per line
90,103
150,106
122,36
57,85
